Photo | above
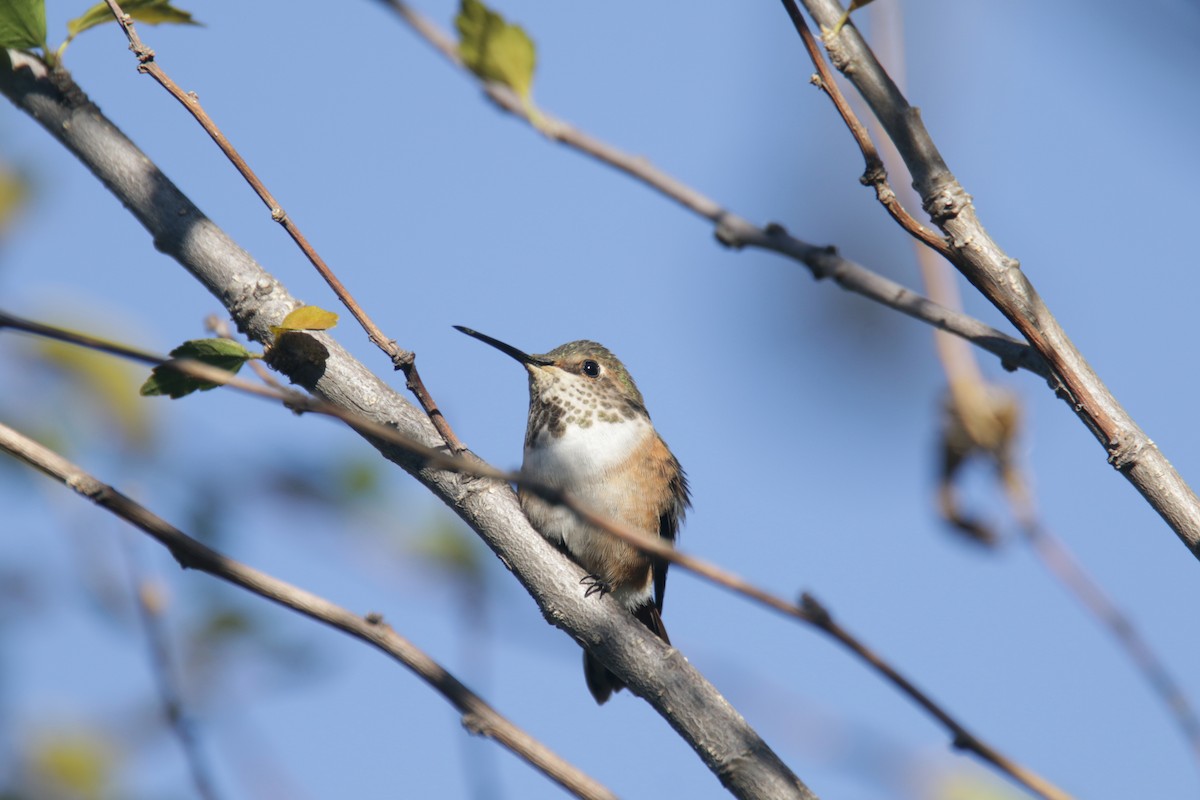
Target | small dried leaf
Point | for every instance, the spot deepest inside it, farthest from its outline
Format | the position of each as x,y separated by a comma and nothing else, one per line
306,318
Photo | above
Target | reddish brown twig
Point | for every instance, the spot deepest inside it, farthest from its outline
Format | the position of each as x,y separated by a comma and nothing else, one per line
875,174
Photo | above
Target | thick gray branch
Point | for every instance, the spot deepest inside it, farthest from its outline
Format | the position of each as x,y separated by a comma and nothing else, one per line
256,300
1000,278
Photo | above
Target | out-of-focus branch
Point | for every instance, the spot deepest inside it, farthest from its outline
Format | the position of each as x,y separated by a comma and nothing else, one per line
404,360
1057,558
477,716
1000,279
149,602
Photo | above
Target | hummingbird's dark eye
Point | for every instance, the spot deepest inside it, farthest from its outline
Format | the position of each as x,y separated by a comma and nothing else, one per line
591,368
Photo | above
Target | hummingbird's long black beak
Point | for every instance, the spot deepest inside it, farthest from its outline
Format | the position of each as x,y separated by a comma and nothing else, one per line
519,355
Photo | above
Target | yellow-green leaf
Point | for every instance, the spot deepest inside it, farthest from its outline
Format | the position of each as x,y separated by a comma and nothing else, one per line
23,24
152,12
14,191
222,353
306,318
75,764
105,384
446,546
494,49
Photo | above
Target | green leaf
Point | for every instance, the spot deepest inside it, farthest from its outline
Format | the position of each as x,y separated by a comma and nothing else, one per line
495,50
23,24
152,12
306,318
222,353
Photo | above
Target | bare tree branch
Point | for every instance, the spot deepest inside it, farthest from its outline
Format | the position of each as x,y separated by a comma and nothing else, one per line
477,716
999,277
730,748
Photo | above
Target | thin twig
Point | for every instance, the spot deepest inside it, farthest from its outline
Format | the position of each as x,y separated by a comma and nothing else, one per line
875,175
477,716
401,359
732,230
149,609
808,611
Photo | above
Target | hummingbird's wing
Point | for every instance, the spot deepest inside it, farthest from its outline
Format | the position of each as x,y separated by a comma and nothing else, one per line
678,500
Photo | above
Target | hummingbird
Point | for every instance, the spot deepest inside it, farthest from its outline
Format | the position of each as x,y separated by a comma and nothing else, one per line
590,434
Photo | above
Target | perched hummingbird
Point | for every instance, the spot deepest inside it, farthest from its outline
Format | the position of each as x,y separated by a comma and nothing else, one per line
589,433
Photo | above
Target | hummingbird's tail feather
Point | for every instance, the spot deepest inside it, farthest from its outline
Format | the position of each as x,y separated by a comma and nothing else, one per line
602,683
648,615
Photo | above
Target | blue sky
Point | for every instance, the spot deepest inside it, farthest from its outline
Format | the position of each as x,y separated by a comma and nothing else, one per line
804,417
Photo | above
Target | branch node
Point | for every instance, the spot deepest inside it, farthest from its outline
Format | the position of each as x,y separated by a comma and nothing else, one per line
475,724
278,214
817,613
728,235
875,175
838,56
1125,452
402,359
946,202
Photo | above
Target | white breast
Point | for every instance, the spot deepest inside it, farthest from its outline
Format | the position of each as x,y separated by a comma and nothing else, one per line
584,455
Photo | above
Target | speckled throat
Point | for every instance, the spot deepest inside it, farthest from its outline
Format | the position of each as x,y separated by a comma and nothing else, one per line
559,398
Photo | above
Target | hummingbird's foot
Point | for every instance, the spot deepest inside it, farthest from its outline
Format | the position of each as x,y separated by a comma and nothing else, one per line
595,585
